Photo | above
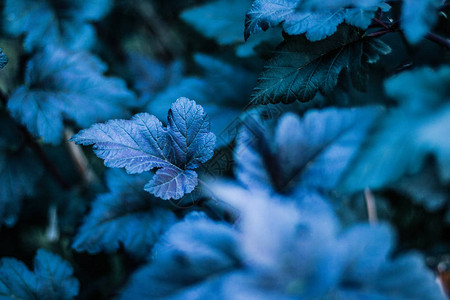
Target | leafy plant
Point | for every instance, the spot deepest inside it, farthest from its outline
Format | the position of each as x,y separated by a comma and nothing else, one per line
242,149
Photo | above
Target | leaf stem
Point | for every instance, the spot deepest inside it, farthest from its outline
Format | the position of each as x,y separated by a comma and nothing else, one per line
371,206
80,160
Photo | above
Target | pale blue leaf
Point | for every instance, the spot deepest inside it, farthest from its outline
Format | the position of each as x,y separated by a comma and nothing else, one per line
173,183
138,145
311,152
143,143
188,127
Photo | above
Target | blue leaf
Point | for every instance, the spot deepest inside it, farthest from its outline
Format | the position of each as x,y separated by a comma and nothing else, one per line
312,152
3,59
304,254
297,17
142,144
59,23
300,69
418,17
126,215
57,84
52,278
189,253
280,248
172,182
19,171
405,136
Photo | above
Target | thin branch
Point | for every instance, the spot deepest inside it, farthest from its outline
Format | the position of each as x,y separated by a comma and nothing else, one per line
381,23
438,40
371,206
379,33
46,161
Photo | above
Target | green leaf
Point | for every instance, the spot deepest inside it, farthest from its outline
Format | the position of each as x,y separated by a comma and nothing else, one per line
301,68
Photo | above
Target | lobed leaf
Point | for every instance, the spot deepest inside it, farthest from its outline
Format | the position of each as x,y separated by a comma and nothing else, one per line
63,23
312,152
300,69
63,85
52,278
142,144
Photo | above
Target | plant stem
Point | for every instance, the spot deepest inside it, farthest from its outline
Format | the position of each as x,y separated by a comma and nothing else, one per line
371,206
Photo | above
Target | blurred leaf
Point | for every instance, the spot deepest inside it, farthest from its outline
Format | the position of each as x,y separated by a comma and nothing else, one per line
63,85
52,278
311,152
405,136
62,23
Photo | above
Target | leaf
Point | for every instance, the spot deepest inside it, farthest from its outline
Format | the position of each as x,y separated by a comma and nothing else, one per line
222,89
142,144
52,278
124,216
192,251
312,152
57,84
19,171
299,69
406,277
222,21
418,17
62,23
292,251
296,17
405,136
3,59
